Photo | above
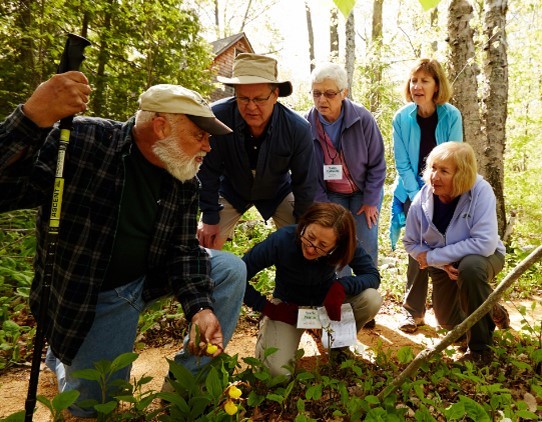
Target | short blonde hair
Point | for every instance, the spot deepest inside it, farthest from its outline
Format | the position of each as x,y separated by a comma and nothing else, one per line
462,156
434,68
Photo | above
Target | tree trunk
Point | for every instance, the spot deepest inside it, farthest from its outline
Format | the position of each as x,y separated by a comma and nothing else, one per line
434,24
463,72
311,35
334,34
376,64
99,92
24,20
495,99
350,50
217,19
245,17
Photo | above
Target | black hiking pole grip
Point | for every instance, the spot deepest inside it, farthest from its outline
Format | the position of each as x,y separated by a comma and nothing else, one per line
71,59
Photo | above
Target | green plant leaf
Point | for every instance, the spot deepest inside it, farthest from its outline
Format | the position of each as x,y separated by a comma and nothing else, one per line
198,405
106,408
123,361
16,417
314,392
475,411
345,6
212,383
46,402
405,354
455,412
88,374
429,4
275,397
65,399
174,399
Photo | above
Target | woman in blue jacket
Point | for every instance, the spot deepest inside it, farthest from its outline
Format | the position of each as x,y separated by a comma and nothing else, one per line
425,122
349,153
306,257
451,231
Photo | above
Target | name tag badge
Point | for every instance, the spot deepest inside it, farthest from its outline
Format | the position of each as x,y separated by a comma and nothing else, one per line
308,318
333,171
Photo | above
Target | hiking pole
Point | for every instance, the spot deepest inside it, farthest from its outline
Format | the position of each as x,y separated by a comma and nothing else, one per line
71,59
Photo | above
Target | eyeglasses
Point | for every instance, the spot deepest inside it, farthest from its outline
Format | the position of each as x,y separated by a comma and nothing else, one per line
309,244
328,94
257,101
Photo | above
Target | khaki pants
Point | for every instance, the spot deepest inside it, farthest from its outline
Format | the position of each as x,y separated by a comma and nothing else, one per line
286,337
229,216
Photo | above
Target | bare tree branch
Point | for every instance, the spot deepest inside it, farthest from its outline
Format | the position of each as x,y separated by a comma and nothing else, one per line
462,328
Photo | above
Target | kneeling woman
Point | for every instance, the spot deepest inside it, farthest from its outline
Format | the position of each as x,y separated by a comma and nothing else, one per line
307,257
451,229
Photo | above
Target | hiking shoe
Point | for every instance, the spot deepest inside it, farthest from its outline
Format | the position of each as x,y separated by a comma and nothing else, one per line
411,324
370,324
500,317
478,359
461,344
166,386
341,354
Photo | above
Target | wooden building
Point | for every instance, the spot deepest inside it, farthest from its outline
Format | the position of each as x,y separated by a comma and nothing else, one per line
225,51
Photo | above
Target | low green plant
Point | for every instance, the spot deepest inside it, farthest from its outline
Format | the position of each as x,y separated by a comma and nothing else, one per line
102,374
210,395
59,403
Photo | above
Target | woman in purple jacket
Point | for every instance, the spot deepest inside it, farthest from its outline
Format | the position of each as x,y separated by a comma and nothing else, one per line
349,153
451,230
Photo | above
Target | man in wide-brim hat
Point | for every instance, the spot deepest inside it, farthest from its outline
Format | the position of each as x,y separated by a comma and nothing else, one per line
267,161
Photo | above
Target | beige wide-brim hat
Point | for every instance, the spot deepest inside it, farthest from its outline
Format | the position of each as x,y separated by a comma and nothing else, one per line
166,98
251,68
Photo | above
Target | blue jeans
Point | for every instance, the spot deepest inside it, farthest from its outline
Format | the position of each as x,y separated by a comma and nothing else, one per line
115,326
367,236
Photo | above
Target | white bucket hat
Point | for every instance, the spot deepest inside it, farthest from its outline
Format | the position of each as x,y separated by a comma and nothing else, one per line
251,68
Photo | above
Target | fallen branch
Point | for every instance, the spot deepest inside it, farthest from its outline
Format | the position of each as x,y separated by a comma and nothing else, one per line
462,328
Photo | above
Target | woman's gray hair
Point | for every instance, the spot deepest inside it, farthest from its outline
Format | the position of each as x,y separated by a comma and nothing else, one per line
331,71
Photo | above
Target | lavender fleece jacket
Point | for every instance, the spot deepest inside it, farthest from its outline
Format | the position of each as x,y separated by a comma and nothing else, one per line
472,231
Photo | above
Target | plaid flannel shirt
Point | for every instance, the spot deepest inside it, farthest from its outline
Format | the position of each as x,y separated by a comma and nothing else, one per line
94,178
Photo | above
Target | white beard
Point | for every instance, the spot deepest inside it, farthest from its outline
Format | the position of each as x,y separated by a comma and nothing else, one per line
175,160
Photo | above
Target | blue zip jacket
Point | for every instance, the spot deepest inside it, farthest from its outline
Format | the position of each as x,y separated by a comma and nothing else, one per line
285,164
301,281
406,144
363,147
472,231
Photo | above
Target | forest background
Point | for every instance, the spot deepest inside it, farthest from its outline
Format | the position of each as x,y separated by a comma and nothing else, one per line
492,51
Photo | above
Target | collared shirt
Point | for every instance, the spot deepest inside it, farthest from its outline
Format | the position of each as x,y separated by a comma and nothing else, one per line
285,164
94,178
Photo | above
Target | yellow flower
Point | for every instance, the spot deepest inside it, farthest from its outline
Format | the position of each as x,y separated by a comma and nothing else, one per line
230,407
234,392
211,349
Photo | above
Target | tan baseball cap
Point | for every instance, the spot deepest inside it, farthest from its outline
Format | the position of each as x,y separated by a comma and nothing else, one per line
251,68
167,98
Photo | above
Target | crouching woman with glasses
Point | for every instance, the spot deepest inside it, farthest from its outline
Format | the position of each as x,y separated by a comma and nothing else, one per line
307,257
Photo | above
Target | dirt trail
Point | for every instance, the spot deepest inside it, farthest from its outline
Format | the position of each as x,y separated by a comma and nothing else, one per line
152,362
